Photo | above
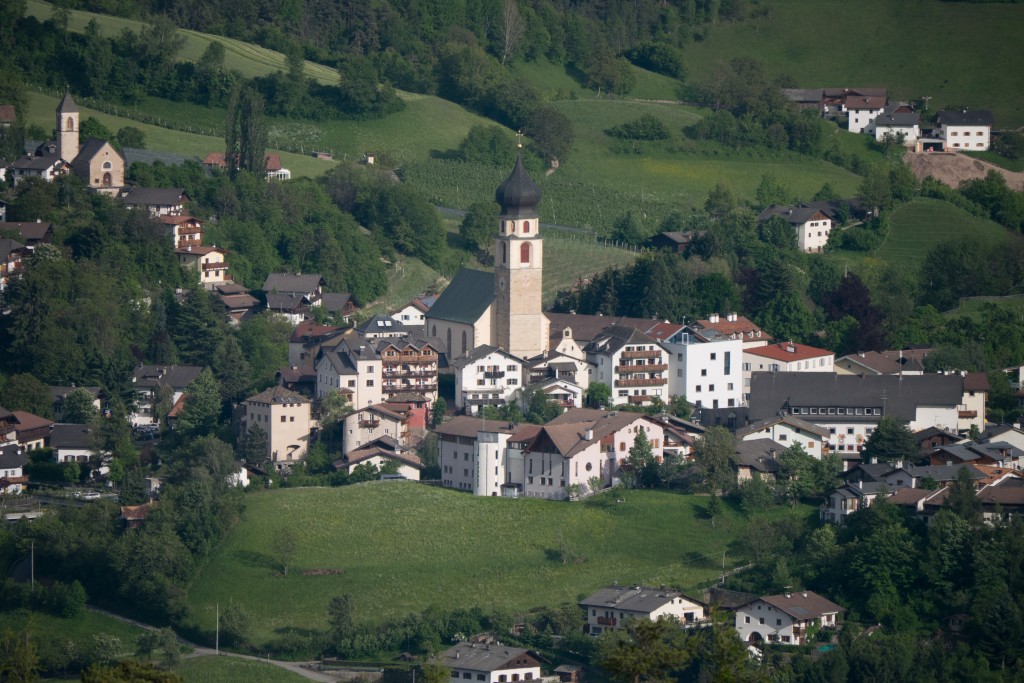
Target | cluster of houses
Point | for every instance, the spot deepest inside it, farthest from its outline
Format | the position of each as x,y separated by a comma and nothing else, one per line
787,619
870,111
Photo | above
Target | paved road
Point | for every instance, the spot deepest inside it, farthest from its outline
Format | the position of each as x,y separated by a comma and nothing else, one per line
200,651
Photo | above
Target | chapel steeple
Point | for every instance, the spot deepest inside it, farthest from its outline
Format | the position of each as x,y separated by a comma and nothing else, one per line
520,325
67,128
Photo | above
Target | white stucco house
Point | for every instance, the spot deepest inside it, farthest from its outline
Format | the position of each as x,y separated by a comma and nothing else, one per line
967,129
704,366
489,663
812,225
609,608
786,618
487,376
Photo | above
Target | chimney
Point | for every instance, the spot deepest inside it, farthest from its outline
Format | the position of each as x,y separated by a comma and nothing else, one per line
713,318
804,594
789,595
588,434
731,317
860,484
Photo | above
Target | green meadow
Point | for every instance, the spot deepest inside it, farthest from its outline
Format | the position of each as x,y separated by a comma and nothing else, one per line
231,669
958,53
399,547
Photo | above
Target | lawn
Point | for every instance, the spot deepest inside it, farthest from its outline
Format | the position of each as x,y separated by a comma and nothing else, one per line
53,634
958,53
401,547
974,307
230,669
915,228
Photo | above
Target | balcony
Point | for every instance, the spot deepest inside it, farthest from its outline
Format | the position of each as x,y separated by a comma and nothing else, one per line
607,621
640,399
647,382
494,374
369,424
967,414
656,353
660,367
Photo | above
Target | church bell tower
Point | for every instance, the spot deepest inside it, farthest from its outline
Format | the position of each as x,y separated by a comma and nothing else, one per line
520,326
67,128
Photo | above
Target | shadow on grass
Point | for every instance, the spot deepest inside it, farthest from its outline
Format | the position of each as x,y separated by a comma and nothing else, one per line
701,561
251,558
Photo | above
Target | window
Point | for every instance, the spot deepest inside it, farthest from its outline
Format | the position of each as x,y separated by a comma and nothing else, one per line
455,674
761,620
778,622
292,419
466,674
849,430
698,387
524,252
369,382
526,231
746,620
714,356
284,419
704,373
711,387
481,677
729,386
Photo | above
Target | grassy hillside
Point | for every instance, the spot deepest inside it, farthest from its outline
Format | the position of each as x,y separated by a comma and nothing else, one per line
960,53
915,228
400,547
251,60
231,669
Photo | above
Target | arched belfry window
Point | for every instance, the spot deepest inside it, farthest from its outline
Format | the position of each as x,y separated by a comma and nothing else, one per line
526,227
71,123
524,252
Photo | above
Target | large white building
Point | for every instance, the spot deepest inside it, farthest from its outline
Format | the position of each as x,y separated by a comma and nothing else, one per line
489,663
472,454
786,357
487,376
285,418
632,363
352,367
704,366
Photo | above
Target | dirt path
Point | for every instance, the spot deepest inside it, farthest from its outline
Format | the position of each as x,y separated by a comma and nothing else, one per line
952,168
201,651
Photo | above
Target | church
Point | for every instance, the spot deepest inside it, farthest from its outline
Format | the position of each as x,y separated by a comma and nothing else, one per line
504,309
95,161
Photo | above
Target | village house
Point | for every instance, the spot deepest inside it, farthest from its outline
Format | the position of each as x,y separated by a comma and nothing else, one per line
207,262
787,430
47,167
704,365
631,363
676,241
353,367
29,233
489,663
408,366
898,123
157,201
880,363
306,340
756,458
72,442
735,326
31,431
812,225
414,313
373,422
285,418
472,454
996,453
790,618
559,367
275,171
156,385
238,303
609,608
383,453
13,459
785,357
185,231
60,394
486,377
12,255
967,129
293,294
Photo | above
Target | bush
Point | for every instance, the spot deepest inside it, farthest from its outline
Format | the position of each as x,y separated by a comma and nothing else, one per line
647,127
660,58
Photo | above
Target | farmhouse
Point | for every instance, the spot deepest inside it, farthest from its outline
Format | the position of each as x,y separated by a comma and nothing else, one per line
785,618
609,608
490,663
967,129
812,225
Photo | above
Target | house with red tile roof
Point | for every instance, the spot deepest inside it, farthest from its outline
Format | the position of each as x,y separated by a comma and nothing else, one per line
785,357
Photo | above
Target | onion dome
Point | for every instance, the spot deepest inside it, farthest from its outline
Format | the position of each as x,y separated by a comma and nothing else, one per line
518,196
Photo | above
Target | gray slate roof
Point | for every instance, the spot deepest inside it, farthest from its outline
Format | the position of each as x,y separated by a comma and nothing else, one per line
176,376
12,456
303,283
155,196
965,117
479,657
897,396
633,599
791,420
615,337
466,298
71,436
759,454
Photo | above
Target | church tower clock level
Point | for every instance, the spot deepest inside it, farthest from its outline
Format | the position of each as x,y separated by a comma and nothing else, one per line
67,128
520,326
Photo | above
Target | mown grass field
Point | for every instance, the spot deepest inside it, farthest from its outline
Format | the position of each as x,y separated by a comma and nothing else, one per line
403,546
53,633
915,228
232,669
973,308
959,53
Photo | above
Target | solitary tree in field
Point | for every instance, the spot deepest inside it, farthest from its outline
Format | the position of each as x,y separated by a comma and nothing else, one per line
285,545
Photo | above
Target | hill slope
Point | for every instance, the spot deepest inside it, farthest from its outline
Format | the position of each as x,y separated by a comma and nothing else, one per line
399,547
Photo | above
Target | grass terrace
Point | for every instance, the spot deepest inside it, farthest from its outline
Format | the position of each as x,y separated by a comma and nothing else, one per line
399,547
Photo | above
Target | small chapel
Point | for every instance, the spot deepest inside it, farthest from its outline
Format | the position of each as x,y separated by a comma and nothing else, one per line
95,161
503,309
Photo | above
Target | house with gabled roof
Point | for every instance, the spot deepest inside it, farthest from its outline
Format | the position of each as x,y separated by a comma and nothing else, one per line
275,171
757,458
153,382
353,367
966,129
630,362
878,363
13,458
12,256
1011,434
472,456
609,608
29,233
72,442
785,357
812,225
897,121
408,366
208,263
285,418
786,619
185,230
47,167
306,340
487,376
160,201
847,499
414,313
787,430
490,663
996,453
735,326
380,453
367,424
